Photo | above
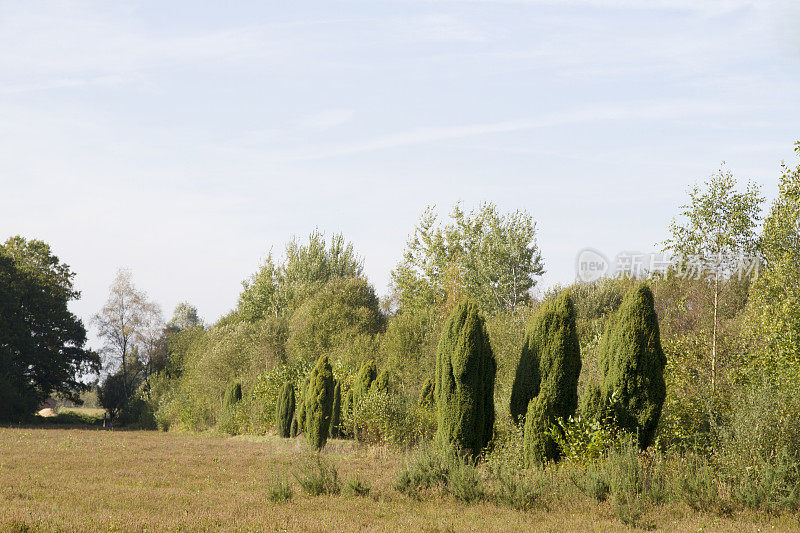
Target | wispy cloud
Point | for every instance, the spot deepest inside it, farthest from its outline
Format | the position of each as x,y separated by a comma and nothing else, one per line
668,110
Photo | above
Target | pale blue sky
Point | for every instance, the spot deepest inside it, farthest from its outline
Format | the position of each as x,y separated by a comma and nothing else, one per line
185,139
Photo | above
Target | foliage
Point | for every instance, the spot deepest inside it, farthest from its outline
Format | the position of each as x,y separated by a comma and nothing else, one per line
581,440
281,491
366,375
42,344
340,311
358,487
465,372
318,476
489,256
632,362
552,343
408,347
336,412
381,382
284,410
318,400
432,467
774,303
427,398
278,289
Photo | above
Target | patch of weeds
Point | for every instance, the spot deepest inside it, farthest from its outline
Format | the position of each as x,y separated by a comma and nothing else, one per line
358,487
318,476
515,490
281,491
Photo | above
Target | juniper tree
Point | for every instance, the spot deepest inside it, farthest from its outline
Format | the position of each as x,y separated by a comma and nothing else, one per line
465,372
318,400
232,395
336,412
293,432
632,363
301,406
284,410
427,397
366,376
552,342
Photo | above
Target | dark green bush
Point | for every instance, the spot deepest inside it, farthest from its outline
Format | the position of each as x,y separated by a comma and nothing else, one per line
232,395
632,363
552,342
293,432
366,375
465,372
318,400
300,413
284,411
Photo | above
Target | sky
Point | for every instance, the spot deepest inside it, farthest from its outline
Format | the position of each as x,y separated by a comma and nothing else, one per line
185,140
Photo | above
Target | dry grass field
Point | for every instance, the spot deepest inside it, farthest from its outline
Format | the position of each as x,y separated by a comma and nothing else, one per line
55,479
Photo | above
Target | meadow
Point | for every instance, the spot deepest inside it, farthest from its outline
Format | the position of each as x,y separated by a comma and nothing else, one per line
82,479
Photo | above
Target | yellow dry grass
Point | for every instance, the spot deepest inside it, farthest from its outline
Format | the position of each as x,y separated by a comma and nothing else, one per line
55,479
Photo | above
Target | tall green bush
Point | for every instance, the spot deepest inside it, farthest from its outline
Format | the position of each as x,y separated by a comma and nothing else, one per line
632,363
336,412
232,395
318,400
301,405
553,343
284,411
465,372
366,376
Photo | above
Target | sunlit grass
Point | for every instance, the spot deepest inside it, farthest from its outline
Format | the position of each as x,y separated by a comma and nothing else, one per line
96,480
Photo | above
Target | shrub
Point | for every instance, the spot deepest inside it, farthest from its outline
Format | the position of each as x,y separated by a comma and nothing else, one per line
233,394
281,491
358,487
514,489
632,362
381,418
583,440
434,467
465,372
318,476
336,413
552,345
318,400
284,411
381,383
300,413
427,398
366,375
293,432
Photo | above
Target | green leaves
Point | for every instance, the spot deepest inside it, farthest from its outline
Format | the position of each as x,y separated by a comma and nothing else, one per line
489,256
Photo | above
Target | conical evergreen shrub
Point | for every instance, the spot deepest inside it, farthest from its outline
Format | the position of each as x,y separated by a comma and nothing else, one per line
552,340
465,373
427,397
232,394
301,406
318,400
284,410
293,432
366,376
336,412
632,363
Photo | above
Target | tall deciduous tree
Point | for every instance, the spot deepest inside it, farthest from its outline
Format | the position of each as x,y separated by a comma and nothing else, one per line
491,257
713,237
123,322
277,289
41,341
774,304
